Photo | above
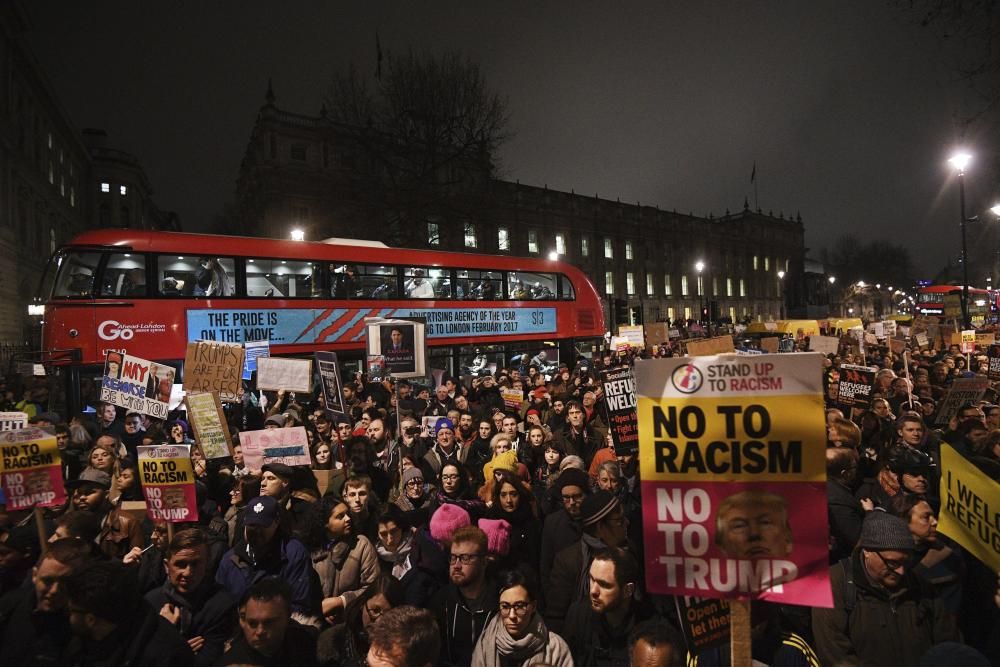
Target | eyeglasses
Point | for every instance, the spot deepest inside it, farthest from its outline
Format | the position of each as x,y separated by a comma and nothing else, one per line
464,559
448,478
415,482
519,608
892,564
374,612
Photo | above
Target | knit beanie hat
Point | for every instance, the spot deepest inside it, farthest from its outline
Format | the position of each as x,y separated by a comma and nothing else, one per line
601,503
497,535
412,473
572,461
884,532
505,461
446,520
573,477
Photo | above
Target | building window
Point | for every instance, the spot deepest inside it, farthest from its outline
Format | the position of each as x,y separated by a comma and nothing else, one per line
433,235
786,266
755,262
729,286
503,239
743,287
470,235
684,285
299,152
609,282
72,197
609,252
715,286
50,140
585,247
123,190
532,241
687,313
650,289
62,185
701,285
670,314
628,250
667,289
767,263
105,187
630,283
560,244
52,175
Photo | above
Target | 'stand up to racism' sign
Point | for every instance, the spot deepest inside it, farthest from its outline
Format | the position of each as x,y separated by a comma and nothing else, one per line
732,456
167,479
30,472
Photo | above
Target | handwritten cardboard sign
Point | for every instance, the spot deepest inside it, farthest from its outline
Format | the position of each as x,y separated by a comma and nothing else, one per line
212,366
211,431
275,445
276,373
710,346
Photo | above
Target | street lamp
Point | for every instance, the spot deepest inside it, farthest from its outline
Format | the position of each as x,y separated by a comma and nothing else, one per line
699,266
298,235
960,161
781,295
553,256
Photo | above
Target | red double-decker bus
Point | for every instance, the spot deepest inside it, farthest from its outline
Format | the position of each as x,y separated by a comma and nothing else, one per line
931,300
151,293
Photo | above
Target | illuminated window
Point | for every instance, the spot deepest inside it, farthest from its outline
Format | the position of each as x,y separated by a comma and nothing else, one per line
503,239
561,244
105,187
433,234
532,241
628,250
767,263
609,282
701,286
684,285
667,289
715,286
743,287
650,290
609,252
585,247
687,312
470,235
630,283
123,190
729,286
755,262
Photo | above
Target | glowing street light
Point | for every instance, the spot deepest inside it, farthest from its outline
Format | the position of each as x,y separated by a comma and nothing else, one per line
553,256
298,235
960,161
832,279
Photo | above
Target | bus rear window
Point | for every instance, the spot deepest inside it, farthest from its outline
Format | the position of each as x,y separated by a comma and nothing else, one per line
523,286
75,277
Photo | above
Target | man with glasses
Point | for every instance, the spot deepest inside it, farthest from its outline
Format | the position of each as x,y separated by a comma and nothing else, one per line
883,614
469,601
563,527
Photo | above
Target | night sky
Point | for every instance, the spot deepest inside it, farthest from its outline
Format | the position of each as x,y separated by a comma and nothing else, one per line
846,107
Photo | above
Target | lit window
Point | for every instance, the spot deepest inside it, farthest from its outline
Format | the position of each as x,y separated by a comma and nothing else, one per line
715,286
609,252
503,239
755,262
609,282
470,235
786,266
561,244
701,286
767,263
628,250
667,289
650,289
52,175
72,197
105,187
687,312
743,287
684,285
585,247
670,313
433,236
532,241
729,286
630,283
123,190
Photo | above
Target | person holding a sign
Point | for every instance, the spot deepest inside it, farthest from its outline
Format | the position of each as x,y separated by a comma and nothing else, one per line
120,532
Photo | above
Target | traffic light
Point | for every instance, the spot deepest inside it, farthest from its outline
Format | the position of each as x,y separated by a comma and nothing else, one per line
635,315
621,311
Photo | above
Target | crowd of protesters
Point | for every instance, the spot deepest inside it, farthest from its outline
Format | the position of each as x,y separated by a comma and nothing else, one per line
455,528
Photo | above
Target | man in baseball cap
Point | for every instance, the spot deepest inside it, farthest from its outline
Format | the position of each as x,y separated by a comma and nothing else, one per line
119,531
877,596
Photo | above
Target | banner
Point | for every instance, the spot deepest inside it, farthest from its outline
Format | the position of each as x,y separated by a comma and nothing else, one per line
705,622
11,421
277,373
254,350
329,375
733,473
218,367
619,397
167,480
275,445
30,469
970,507
855,387
208,421
993,370
137,385
710,346
824,344
968,341
962,391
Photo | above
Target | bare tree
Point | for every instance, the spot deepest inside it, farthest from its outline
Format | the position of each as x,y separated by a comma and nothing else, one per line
428,130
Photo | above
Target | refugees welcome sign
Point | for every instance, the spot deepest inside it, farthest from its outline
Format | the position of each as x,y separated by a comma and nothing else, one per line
732,456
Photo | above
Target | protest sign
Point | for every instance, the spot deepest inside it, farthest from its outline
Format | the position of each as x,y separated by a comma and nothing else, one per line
211,431
634,334
889,326
769,344
277,373
724,440
970,507
993,369
952,305
824,344
705,622
657,332
211,366
962,391
254,350
897,346
674,333
30,469
619,397
275,445
786,345
329,375
984,340
11,421
512,398
855,386
968,341
167,480
400,342
922,341
710,346
137,385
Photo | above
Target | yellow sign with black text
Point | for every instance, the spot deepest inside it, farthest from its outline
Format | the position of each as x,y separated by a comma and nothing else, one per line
970,507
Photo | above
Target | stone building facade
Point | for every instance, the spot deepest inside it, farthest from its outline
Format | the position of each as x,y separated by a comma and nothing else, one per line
304,172
55,181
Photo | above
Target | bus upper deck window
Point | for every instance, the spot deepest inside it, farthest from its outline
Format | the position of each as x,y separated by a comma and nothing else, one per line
75,277
282,278
524,286
124,275
566,290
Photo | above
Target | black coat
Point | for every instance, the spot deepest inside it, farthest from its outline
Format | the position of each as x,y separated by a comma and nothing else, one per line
27,638
845,514
210,614
147,640
298,648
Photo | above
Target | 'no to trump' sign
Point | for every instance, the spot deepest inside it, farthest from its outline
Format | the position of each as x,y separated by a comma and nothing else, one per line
733,470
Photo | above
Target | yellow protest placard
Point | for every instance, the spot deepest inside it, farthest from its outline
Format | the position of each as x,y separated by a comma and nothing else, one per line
970,507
